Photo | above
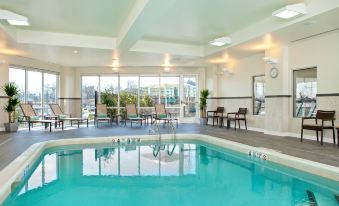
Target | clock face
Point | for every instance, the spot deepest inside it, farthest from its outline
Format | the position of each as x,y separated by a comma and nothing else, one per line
274,72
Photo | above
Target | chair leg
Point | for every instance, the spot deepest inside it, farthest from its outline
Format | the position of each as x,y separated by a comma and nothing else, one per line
322,137
317,136
235,124
213,121
206,120
302,133
239,123
333,136
245,124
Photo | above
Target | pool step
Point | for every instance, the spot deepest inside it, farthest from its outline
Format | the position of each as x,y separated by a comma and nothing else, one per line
337,198
311,198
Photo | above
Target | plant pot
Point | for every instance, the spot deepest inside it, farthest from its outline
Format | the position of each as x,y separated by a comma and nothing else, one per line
11,127
202,121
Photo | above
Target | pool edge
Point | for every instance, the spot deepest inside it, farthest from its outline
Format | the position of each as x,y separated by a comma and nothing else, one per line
15,170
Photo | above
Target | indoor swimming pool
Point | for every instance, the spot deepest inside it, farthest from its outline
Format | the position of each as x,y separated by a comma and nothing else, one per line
183,172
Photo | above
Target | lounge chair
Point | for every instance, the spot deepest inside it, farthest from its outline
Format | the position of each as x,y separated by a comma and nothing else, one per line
237,117
132,114
57,111
101,115
30,117
324,116
162,115
215,115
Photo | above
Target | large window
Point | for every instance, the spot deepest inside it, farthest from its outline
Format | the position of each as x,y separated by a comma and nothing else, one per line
259,95
90,84
149,91
144,91
305,92
18,76
129,90
36,87
169,91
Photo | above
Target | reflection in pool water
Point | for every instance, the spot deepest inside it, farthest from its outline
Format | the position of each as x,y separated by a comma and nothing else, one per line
169,174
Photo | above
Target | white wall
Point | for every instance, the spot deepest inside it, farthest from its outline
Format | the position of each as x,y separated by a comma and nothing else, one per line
238,84
320,51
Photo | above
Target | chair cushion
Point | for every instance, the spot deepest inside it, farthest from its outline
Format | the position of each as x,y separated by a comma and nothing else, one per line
132,116
34,118
62,116
162,115
101,115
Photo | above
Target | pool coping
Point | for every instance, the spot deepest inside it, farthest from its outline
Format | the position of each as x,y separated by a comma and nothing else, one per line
15,171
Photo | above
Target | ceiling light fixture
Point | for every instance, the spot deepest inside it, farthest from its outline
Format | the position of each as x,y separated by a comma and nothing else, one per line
75,51
115,69
290,11
167,69
14,18
221,41
270,60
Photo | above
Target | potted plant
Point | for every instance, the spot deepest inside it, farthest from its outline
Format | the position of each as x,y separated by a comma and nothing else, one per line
11,90
203,104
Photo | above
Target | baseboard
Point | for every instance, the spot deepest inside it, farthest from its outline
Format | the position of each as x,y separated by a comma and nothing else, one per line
255,129
296,135
287,134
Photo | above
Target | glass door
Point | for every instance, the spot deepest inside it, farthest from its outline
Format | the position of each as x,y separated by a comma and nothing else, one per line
170,94
189,103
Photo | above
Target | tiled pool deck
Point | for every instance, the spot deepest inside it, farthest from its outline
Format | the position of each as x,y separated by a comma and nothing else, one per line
12,145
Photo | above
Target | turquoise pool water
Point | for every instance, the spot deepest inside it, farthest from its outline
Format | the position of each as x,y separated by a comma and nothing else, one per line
185,173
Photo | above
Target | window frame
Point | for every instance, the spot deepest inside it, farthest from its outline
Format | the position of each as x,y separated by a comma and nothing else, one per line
43,71
294,88
253,93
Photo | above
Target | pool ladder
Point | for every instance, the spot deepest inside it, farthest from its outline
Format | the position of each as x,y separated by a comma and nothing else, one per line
155,130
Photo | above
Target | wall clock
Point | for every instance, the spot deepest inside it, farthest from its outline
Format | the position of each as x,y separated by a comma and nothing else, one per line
274,72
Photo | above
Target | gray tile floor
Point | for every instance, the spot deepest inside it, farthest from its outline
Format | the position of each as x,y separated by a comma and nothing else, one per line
12,145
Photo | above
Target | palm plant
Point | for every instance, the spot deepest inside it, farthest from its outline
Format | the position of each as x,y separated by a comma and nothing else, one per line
203,102
11,90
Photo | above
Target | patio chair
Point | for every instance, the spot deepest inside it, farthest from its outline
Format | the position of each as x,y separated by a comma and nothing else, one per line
323,116
237,117
31,117
101,115
215,115
132,114
162,115
57,111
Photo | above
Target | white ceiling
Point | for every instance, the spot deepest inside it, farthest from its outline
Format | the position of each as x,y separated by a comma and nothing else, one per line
200,21
99,18
145,32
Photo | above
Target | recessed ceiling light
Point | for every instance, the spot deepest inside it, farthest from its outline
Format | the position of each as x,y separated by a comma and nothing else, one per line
18,22
14,18
290,11
167,69
115,69
75,51
221,41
